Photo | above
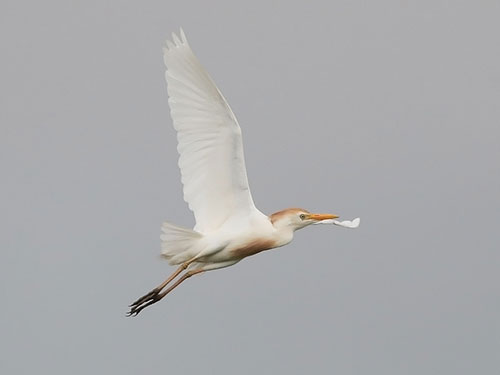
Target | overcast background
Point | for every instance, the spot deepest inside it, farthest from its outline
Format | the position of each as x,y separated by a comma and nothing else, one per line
387,110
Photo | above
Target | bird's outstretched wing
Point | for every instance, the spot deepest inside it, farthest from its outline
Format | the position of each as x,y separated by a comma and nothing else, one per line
209,141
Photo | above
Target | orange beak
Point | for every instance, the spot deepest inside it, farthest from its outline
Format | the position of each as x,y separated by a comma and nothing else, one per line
320,217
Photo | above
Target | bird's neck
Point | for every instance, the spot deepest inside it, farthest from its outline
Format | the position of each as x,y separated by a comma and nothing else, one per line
283,235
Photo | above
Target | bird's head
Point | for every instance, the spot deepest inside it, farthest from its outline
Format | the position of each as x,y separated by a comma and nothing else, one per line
298,218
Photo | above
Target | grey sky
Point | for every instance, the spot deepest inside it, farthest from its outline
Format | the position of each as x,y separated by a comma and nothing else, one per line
387,110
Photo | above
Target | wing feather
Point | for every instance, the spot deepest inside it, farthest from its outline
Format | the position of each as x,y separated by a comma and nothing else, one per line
209,139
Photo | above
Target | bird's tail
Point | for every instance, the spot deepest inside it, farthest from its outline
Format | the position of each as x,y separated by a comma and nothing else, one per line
179,244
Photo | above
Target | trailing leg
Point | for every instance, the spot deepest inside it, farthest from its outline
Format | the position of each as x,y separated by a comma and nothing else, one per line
137,308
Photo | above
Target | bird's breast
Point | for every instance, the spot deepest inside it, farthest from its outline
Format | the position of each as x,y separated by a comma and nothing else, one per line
253,247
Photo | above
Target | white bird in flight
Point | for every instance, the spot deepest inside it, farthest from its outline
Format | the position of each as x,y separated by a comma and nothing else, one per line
228,225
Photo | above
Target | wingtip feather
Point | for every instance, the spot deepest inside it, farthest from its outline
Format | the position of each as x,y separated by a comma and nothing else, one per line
176,41
183,36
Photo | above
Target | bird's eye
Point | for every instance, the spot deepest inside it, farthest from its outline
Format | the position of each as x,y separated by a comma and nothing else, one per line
302,216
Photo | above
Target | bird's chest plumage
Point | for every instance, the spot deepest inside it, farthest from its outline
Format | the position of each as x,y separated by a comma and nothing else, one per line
258,242
252,247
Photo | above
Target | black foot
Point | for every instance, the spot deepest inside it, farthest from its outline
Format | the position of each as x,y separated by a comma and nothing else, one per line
144,301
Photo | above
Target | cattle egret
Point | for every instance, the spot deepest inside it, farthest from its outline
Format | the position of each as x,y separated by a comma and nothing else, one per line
228,225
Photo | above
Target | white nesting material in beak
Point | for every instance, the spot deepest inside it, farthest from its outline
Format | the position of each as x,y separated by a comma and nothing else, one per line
346,223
